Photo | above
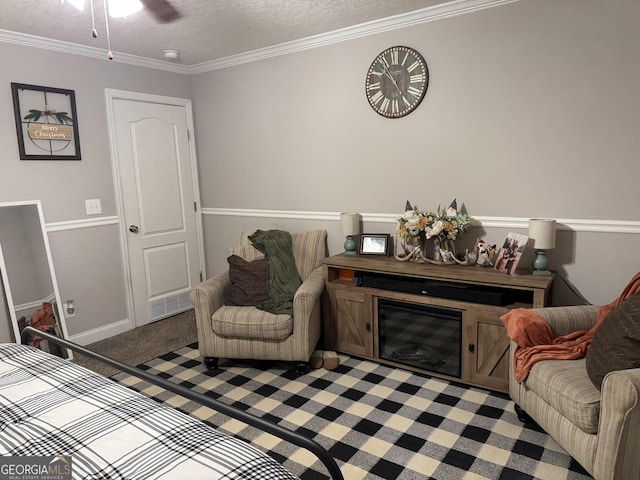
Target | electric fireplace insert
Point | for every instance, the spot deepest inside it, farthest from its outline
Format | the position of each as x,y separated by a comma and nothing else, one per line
421,336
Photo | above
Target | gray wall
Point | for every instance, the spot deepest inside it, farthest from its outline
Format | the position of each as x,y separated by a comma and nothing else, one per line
87,261
524,99
532,111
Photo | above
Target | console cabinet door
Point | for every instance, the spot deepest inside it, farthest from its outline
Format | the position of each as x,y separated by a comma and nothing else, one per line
487,348
352,321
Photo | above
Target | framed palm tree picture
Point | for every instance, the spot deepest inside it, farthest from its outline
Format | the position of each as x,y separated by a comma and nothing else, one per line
46,122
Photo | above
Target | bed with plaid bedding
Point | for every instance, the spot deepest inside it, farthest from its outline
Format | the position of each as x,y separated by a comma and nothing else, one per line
52,407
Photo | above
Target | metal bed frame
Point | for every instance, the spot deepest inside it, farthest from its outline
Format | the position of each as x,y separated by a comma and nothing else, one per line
274,429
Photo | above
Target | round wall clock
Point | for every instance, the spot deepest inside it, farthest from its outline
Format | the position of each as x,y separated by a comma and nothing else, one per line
397,81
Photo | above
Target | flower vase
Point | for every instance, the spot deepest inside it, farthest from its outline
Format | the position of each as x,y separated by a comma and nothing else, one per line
413,249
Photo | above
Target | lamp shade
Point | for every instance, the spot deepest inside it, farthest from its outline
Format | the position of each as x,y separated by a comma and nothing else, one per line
543,233
350,223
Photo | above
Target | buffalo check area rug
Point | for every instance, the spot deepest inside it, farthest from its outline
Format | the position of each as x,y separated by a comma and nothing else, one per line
379,422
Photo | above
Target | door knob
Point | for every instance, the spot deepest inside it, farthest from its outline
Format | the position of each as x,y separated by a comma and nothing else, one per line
134,228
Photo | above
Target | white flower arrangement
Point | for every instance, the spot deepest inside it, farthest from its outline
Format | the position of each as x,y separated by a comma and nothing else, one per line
443,226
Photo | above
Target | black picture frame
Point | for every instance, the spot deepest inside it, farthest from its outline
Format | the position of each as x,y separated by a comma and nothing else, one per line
374,244
46,122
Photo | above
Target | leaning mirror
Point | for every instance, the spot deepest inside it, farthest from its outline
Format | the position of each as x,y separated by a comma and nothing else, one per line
28,277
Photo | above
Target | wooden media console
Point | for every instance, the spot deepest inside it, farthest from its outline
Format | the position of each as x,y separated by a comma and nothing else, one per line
396,312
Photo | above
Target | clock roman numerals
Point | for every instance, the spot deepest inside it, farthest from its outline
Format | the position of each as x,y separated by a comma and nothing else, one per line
413,91
413,66
396,82
375,99
373,86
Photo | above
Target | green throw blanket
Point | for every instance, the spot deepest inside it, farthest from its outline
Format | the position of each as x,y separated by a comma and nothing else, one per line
283,275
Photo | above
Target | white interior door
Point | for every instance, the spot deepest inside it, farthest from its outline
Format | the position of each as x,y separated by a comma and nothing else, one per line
154,162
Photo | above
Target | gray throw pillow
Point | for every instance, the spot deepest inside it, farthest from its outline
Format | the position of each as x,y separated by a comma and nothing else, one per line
616,341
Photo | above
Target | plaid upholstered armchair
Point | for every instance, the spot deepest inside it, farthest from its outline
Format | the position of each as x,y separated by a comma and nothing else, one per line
235,331
599,428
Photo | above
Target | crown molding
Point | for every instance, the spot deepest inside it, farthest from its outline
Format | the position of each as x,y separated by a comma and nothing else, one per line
436,12
570,224
424,15
35,41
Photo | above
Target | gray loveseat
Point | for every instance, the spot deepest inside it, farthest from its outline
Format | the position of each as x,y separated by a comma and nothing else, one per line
600,429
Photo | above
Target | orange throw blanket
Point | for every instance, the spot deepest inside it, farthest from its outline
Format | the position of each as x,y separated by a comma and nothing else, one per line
536,342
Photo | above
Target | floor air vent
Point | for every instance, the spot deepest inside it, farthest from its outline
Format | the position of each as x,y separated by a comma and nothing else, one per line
170,305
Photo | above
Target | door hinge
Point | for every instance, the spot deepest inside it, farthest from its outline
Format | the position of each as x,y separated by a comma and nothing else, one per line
200,276
195,207
188,134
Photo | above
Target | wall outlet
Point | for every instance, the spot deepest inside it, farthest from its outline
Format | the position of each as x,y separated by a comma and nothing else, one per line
93,206
66,308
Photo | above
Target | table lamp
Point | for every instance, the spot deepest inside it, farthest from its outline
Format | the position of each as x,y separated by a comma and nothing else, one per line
350,227
543,233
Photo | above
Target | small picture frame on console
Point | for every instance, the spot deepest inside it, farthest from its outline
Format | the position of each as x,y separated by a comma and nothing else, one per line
374,244
510,253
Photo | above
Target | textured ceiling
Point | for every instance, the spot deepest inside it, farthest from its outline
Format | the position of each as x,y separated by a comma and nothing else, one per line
208,29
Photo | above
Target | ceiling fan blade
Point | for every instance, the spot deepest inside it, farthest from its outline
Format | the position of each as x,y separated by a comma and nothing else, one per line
162,10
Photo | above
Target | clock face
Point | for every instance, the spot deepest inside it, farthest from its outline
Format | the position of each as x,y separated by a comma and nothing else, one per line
397,81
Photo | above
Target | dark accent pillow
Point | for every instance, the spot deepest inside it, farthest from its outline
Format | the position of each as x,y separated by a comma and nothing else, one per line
616,341
249,282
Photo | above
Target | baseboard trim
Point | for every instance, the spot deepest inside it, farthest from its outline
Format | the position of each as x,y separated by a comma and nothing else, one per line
100,333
